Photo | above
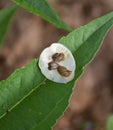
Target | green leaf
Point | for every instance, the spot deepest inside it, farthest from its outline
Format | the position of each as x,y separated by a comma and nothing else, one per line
28,101
43,9
109,125
5,18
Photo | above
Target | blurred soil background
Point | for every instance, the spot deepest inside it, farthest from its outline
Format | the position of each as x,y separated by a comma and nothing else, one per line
92,99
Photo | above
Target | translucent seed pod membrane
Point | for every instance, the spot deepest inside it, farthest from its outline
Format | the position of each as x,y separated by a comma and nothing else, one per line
57,63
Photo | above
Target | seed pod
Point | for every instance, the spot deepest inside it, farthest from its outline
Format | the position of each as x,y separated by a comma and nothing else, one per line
57,63
63,71
52,65
57,57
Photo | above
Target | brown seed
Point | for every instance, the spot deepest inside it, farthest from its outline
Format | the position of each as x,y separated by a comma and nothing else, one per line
57,57
63,71
52,65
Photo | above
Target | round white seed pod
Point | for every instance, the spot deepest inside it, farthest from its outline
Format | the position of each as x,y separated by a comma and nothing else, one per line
57,63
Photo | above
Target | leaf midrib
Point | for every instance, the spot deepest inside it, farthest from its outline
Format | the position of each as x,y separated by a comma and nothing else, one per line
24,97
91,36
